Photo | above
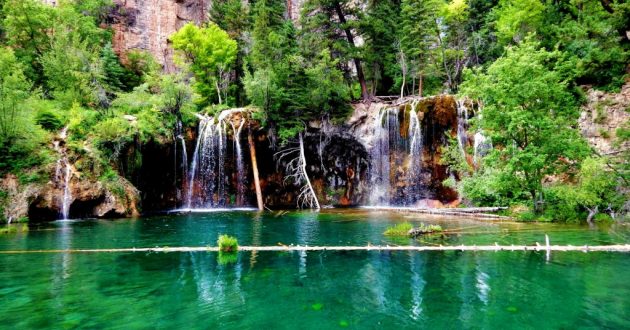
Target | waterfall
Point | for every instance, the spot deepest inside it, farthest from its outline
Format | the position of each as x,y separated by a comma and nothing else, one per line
67,195
379,172
184,156
396,156
207,167
63,173
462,123
240,166
482,145
413,188
208,184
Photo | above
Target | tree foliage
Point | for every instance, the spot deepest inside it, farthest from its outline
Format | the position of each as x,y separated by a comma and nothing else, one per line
210,52
528,113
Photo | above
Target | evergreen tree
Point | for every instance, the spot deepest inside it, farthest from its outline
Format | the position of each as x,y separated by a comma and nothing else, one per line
114,75
381,32
419,36
332,24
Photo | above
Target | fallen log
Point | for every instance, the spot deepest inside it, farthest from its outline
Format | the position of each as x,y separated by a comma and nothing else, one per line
473,212
288,248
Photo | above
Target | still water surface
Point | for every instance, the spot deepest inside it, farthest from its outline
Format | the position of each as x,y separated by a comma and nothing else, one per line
315,290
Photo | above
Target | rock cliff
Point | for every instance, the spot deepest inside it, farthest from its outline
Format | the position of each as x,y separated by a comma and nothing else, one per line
147,24
601,117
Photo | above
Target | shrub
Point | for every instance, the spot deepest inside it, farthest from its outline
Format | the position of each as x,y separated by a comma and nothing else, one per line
527,216
48,120
401,229
603,218
426,229
227,243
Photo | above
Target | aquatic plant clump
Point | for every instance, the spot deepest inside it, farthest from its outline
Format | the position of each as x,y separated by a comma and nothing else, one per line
401,229
227,243
425,229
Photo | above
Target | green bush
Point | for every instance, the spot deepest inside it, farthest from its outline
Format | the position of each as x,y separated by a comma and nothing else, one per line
48,120
227,244
426,229
603,218
527,216
401,229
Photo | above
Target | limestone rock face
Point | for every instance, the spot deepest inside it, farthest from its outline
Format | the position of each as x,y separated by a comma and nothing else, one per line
147,24
43,202
603,114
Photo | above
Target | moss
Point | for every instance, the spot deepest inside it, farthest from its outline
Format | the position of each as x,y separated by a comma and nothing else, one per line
600,112
401,229
428,229
445,111
226,258
603,218
227,244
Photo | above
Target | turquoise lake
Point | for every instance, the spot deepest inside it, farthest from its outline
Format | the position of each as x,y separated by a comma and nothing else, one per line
314,290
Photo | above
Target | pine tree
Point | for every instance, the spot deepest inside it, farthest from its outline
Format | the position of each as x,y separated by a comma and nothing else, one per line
419,34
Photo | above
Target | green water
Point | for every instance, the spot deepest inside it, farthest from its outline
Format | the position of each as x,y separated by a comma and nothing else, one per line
297,290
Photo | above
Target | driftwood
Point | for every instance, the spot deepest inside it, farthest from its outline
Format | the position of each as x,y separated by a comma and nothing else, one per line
473,212
288,248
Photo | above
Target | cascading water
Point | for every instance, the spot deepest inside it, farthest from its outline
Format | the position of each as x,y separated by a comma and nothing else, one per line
208,176
414,188
380,159
389,150
240,166
184,156
207,167
481,146
63,173
67,196
462,123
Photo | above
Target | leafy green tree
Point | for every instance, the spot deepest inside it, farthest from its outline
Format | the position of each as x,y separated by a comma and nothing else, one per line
210,52
528,113
14,89
594,192
26,25
515,19
73,70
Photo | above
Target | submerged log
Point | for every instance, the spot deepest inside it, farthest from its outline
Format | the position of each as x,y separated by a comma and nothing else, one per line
472,212
285,248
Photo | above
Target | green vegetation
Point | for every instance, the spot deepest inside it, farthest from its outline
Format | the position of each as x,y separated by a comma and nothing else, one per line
406,229
525,60
227,244
427,229
401,229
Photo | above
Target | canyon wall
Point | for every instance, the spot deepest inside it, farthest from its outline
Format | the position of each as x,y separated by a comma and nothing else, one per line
146,24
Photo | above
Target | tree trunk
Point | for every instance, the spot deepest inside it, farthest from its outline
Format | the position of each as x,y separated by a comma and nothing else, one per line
252,152
591,214
216,84
357,62
420,81
303,169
